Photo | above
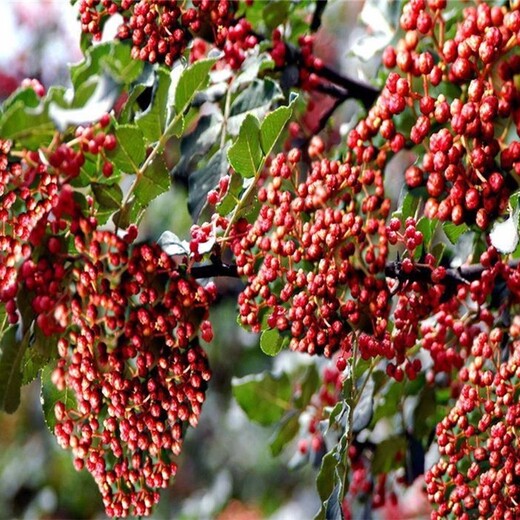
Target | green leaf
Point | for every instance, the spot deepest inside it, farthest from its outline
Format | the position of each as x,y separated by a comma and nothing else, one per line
275,13
385,454
108,196
388,401
285,432
271,342
454,232
26,126
143,82
327,476
251,67
427,227
257,99
37,355
154,181
130,151
128,214
50,395
154,119
424,413
364,409
198,142
205,179
273,125
309,385
263,397
409,206
228,203
245,155
100,101
120,64
193,79
12,351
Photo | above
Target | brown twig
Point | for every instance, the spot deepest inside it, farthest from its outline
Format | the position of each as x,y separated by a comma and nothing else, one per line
420,272
423,272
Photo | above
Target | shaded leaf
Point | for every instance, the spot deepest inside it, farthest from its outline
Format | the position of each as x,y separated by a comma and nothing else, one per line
364,409
100,102
154,119
285,432
120,64
275,13
386,453
198,142
40,351
205,179
128,214
245,155
256,99
108,196
263,397
50,395
325,478
251,67
12,350
309,385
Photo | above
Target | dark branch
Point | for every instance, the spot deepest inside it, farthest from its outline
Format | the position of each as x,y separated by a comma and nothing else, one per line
214,269
423,272
333,90
318,13
355,89
367,94
420,273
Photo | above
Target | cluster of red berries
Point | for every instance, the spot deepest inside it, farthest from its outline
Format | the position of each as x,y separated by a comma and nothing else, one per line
467,160
313,255
131,356
308,63
160,30
479,470
127,318
38,209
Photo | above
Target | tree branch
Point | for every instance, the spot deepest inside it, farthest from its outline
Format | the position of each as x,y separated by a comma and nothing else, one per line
420,273
423,272
214,269
318,13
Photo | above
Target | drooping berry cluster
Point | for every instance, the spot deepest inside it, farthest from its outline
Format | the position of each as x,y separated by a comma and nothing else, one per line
38,208
161,29
126,319
461,98
313,255
478,473
131,356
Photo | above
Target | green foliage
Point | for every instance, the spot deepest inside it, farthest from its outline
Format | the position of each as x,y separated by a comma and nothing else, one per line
263,397
50,395
12,350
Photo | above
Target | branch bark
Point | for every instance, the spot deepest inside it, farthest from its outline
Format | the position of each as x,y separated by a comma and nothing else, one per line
421,272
